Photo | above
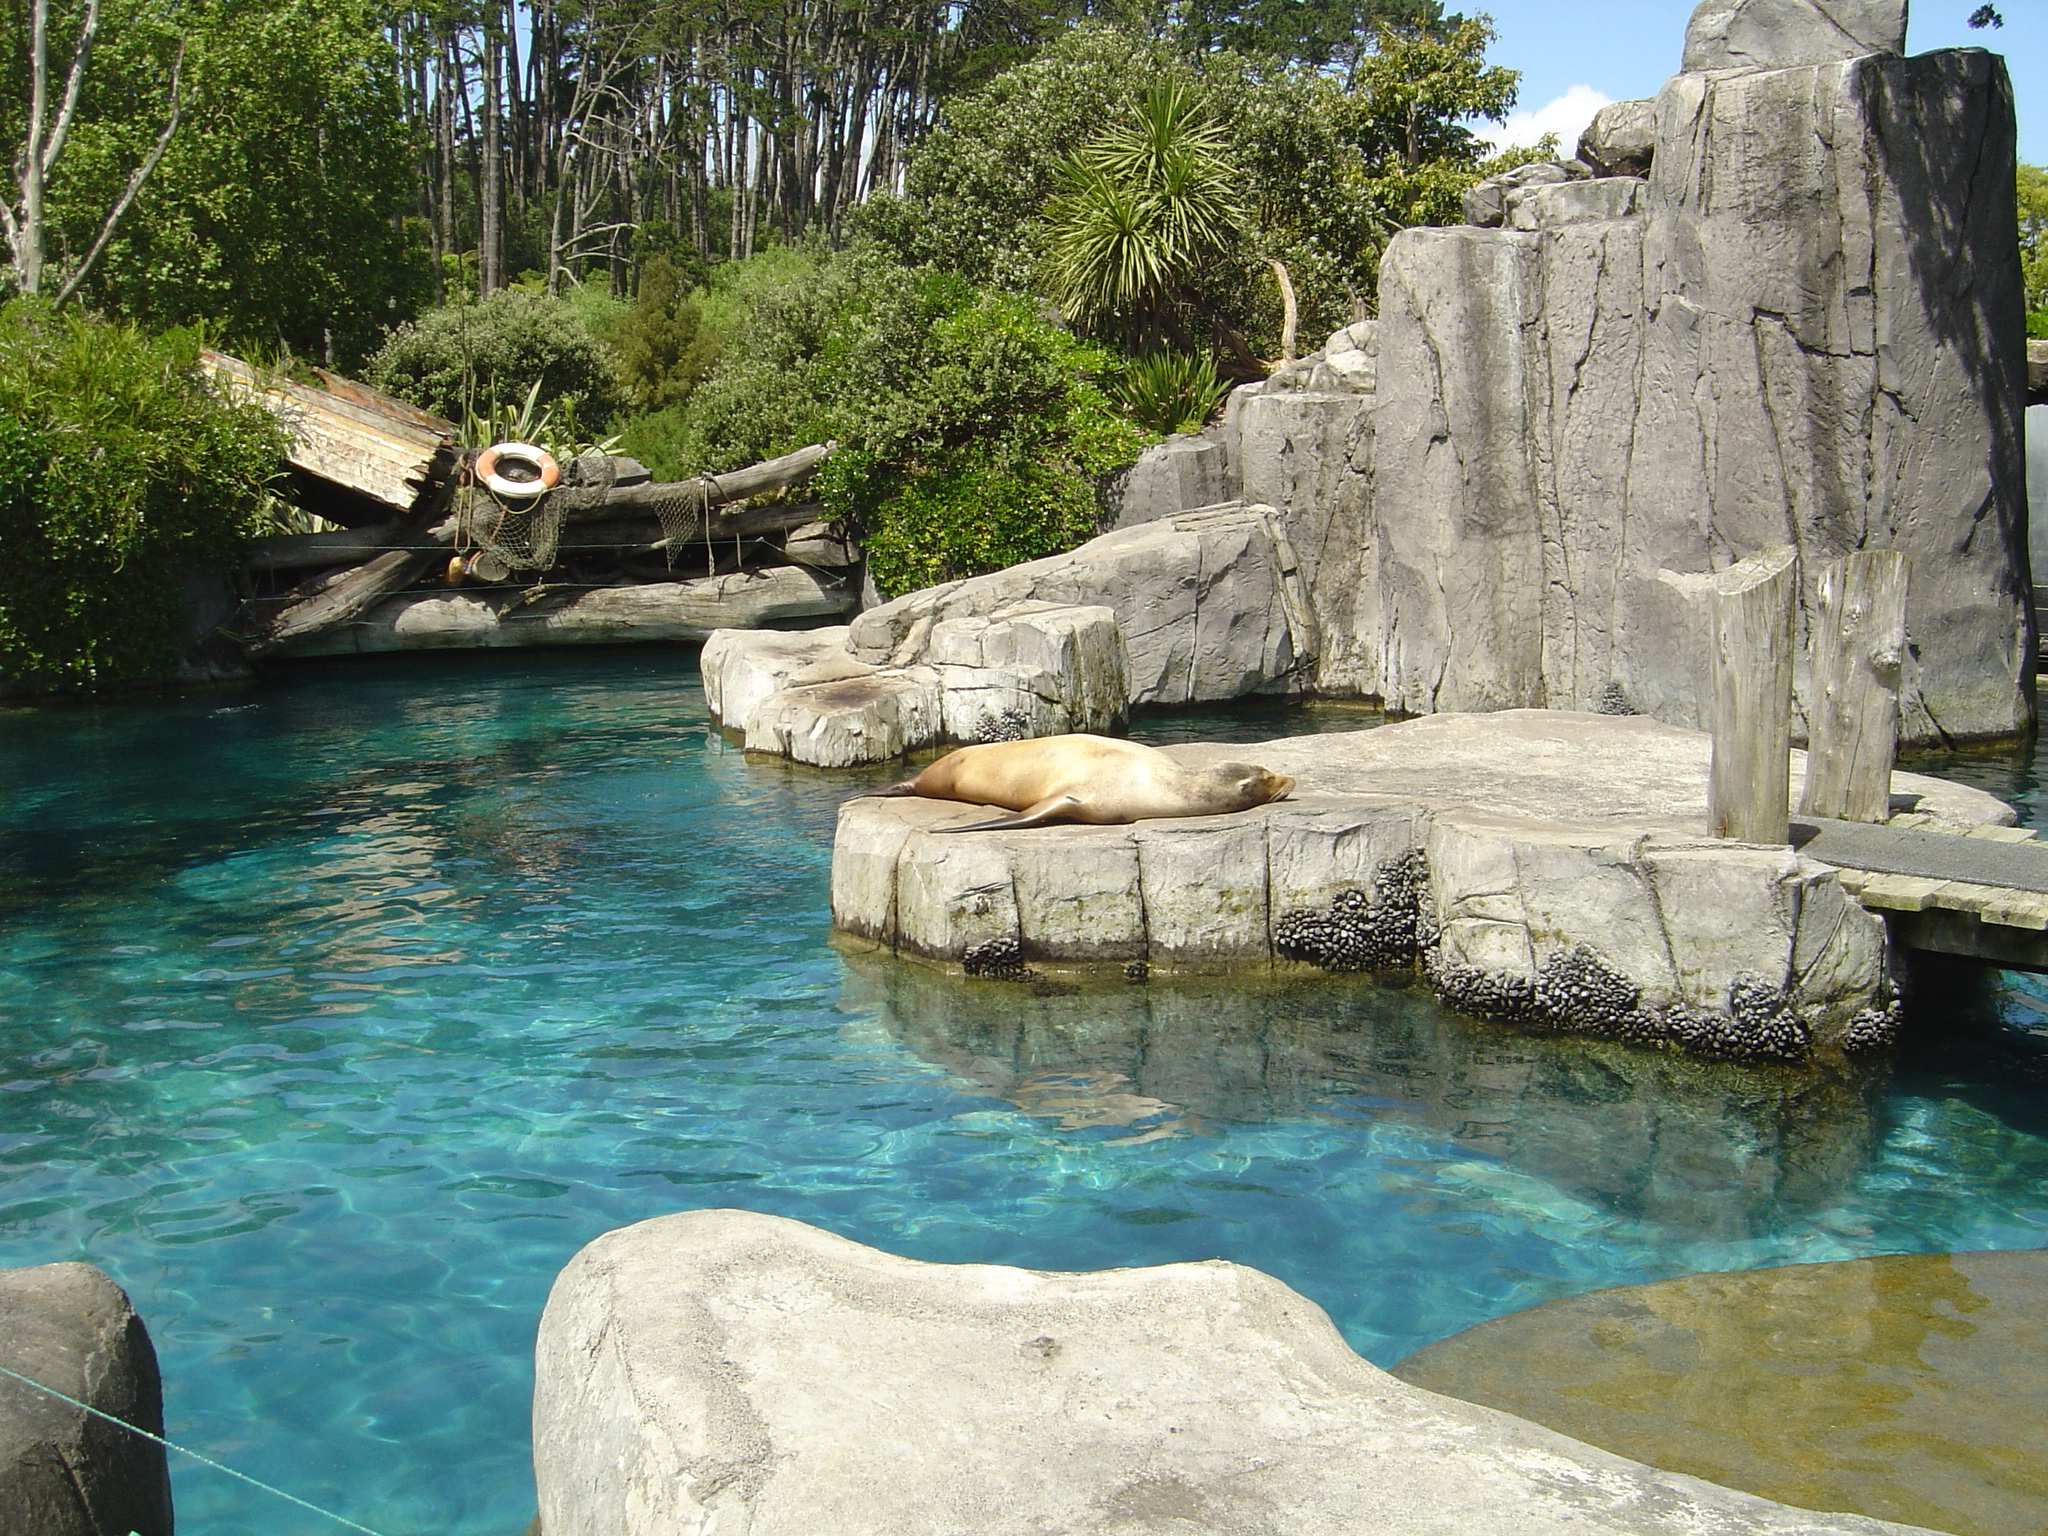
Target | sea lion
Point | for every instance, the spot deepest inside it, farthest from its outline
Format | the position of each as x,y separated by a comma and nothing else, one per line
1093,779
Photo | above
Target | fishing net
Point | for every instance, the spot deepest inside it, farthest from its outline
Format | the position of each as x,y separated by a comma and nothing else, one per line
526,535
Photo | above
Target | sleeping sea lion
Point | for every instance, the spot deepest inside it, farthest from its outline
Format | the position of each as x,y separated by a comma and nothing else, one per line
1095,779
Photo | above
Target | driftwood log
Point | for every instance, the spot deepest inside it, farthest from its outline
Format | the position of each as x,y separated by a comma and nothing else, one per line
652,611
1749,782
414,543
1859,645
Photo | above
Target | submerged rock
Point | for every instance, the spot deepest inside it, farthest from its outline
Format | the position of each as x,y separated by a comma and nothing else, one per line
1911,1388
728,1370
64,1472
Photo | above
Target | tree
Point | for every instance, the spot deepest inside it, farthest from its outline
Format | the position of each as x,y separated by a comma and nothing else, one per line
2033,210
278,213
41,137
1148,202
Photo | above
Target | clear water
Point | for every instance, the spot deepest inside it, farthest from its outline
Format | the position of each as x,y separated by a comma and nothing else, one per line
335,1016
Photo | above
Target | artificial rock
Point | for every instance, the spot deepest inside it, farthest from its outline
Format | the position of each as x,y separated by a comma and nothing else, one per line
1193,608
1558,874
64,1472
1621,140
1803,328
727,1370
1779,34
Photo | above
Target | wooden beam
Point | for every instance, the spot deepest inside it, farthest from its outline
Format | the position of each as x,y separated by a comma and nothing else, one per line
367,444
673,611
1749,784
1859,643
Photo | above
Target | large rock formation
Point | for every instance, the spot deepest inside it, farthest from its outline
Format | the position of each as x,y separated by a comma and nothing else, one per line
728,1371
1779,304
1545,867
1186,609
1803,328
65,1472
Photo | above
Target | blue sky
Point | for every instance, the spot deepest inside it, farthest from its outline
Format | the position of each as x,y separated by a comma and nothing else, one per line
1618,49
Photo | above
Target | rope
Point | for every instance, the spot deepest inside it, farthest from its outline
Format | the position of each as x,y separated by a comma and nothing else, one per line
327,1514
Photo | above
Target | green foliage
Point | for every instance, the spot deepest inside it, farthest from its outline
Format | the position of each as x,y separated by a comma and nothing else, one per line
1168,392
976,185
1326,163
469,359
1149,201
120,472
2033,211
661,345
279,212
970,434
1317,33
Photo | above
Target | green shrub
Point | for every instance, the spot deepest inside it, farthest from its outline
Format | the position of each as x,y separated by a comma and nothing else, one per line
971,437
1168,392
120,473
661,345
471,358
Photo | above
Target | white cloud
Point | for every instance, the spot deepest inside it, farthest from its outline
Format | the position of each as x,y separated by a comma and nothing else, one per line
1566,117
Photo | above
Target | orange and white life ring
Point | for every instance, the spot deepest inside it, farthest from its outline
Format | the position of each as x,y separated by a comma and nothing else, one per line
547,474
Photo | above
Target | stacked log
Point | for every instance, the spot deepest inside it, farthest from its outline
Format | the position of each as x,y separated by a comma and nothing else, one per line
629,558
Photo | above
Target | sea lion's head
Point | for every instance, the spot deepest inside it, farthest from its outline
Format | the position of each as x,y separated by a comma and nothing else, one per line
1242,785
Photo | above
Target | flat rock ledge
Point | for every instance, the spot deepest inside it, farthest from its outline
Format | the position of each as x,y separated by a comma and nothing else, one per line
1193,608
1545,867
728,1371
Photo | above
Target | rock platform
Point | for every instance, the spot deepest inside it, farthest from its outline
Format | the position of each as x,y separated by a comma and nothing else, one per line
1906,1387
1548,867
730,1371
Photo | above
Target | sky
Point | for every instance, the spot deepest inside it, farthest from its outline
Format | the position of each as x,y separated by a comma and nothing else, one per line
1574,57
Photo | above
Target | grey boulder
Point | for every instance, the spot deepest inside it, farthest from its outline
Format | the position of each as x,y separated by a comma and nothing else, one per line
1622,139
727,1371
64,1472
1777,34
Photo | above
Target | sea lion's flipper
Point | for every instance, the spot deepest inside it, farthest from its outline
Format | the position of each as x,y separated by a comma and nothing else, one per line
1051,808
887,791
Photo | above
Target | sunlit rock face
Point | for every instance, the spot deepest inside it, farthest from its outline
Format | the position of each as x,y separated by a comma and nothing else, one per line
1187,609
731,1371
1910,1388
1794,319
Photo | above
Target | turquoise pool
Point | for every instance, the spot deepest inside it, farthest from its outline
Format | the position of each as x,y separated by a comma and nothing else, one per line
336,1015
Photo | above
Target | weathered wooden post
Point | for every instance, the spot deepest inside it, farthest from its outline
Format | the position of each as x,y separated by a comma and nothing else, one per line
1750,607
1859,643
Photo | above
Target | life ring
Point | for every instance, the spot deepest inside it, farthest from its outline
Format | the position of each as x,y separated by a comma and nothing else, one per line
547,474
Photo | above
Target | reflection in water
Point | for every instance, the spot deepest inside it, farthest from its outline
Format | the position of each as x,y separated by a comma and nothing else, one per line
1705,1151
1909,1388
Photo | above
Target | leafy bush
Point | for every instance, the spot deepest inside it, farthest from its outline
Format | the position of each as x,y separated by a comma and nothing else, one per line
970,434
661,345
120,472
472,358
1168,392
1328,165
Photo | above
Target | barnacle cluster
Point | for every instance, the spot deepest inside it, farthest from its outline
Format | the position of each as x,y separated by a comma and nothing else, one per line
1873,1029
1009,725
1760,1024
1357,932
1576,991
999,959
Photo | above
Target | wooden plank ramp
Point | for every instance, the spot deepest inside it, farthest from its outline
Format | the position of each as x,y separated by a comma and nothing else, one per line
1981,894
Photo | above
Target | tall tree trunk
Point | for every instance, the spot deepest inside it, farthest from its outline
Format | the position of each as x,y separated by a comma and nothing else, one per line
491,210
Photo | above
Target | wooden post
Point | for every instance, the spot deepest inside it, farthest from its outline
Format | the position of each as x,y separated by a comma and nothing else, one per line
1859,643
1749,787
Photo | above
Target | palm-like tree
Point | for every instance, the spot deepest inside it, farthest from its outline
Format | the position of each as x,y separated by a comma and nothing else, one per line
1147,203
